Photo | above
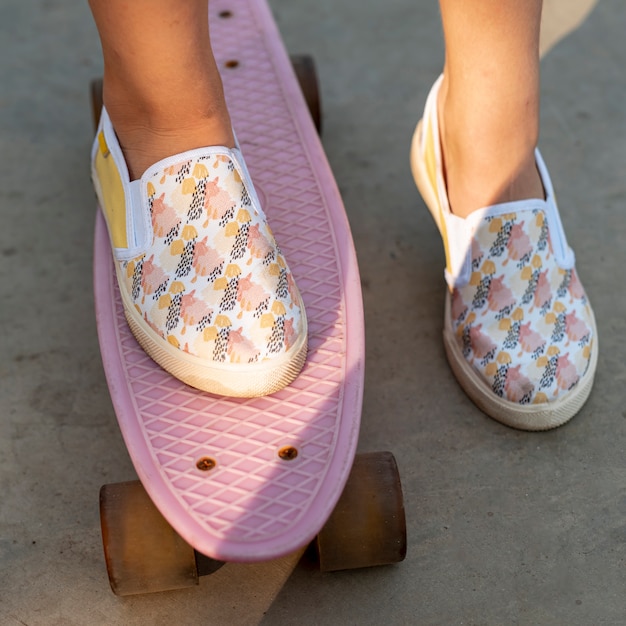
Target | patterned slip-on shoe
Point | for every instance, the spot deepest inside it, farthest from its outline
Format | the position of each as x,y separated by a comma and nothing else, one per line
519,332
206,290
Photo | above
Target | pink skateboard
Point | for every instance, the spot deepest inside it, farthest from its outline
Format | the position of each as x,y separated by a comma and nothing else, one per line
250,480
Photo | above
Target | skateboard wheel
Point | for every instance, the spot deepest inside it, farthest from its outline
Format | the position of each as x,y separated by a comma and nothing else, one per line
143,553
95,92
368,526
304,67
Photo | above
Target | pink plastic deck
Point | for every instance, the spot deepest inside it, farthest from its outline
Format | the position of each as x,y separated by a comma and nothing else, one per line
253,505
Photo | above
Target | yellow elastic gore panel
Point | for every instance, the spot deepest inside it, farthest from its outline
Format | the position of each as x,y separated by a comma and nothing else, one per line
431,169
112,192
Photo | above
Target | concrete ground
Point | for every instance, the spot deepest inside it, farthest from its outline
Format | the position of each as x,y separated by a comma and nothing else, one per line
505,527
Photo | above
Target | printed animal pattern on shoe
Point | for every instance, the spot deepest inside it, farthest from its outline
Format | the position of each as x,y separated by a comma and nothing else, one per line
213,283
522,322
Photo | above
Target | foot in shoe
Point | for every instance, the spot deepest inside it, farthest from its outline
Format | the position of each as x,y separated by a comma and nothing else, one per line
206,290
519,331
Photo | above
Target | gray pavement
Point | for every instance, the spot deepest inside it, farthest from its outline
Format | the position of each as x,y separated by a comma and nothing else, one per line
505,527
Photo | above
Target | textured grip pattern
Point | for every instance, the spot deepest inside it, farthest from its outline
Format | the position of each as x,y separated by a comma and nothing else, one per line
253,504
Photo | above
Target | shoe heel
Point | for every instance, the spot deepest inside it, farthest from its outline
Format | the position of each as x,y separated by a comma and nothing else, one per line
420,175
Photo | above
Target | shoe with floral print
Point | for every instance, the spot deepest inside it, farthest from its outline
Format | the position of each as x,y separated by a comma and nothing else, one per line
519,331
206,290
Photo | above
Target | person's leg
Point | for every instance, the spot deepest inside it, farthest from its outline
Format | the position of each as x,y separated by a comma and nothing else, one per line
519,331
162,88
489,101
182,229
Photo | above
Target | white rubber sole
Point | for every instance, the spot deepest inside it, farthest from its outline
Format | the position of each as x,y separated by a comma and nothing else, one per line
533,417
236,380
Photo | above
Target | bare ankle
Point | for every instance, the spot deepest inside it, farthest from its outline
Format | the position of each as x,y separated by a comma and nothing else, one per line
487,158
149,131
